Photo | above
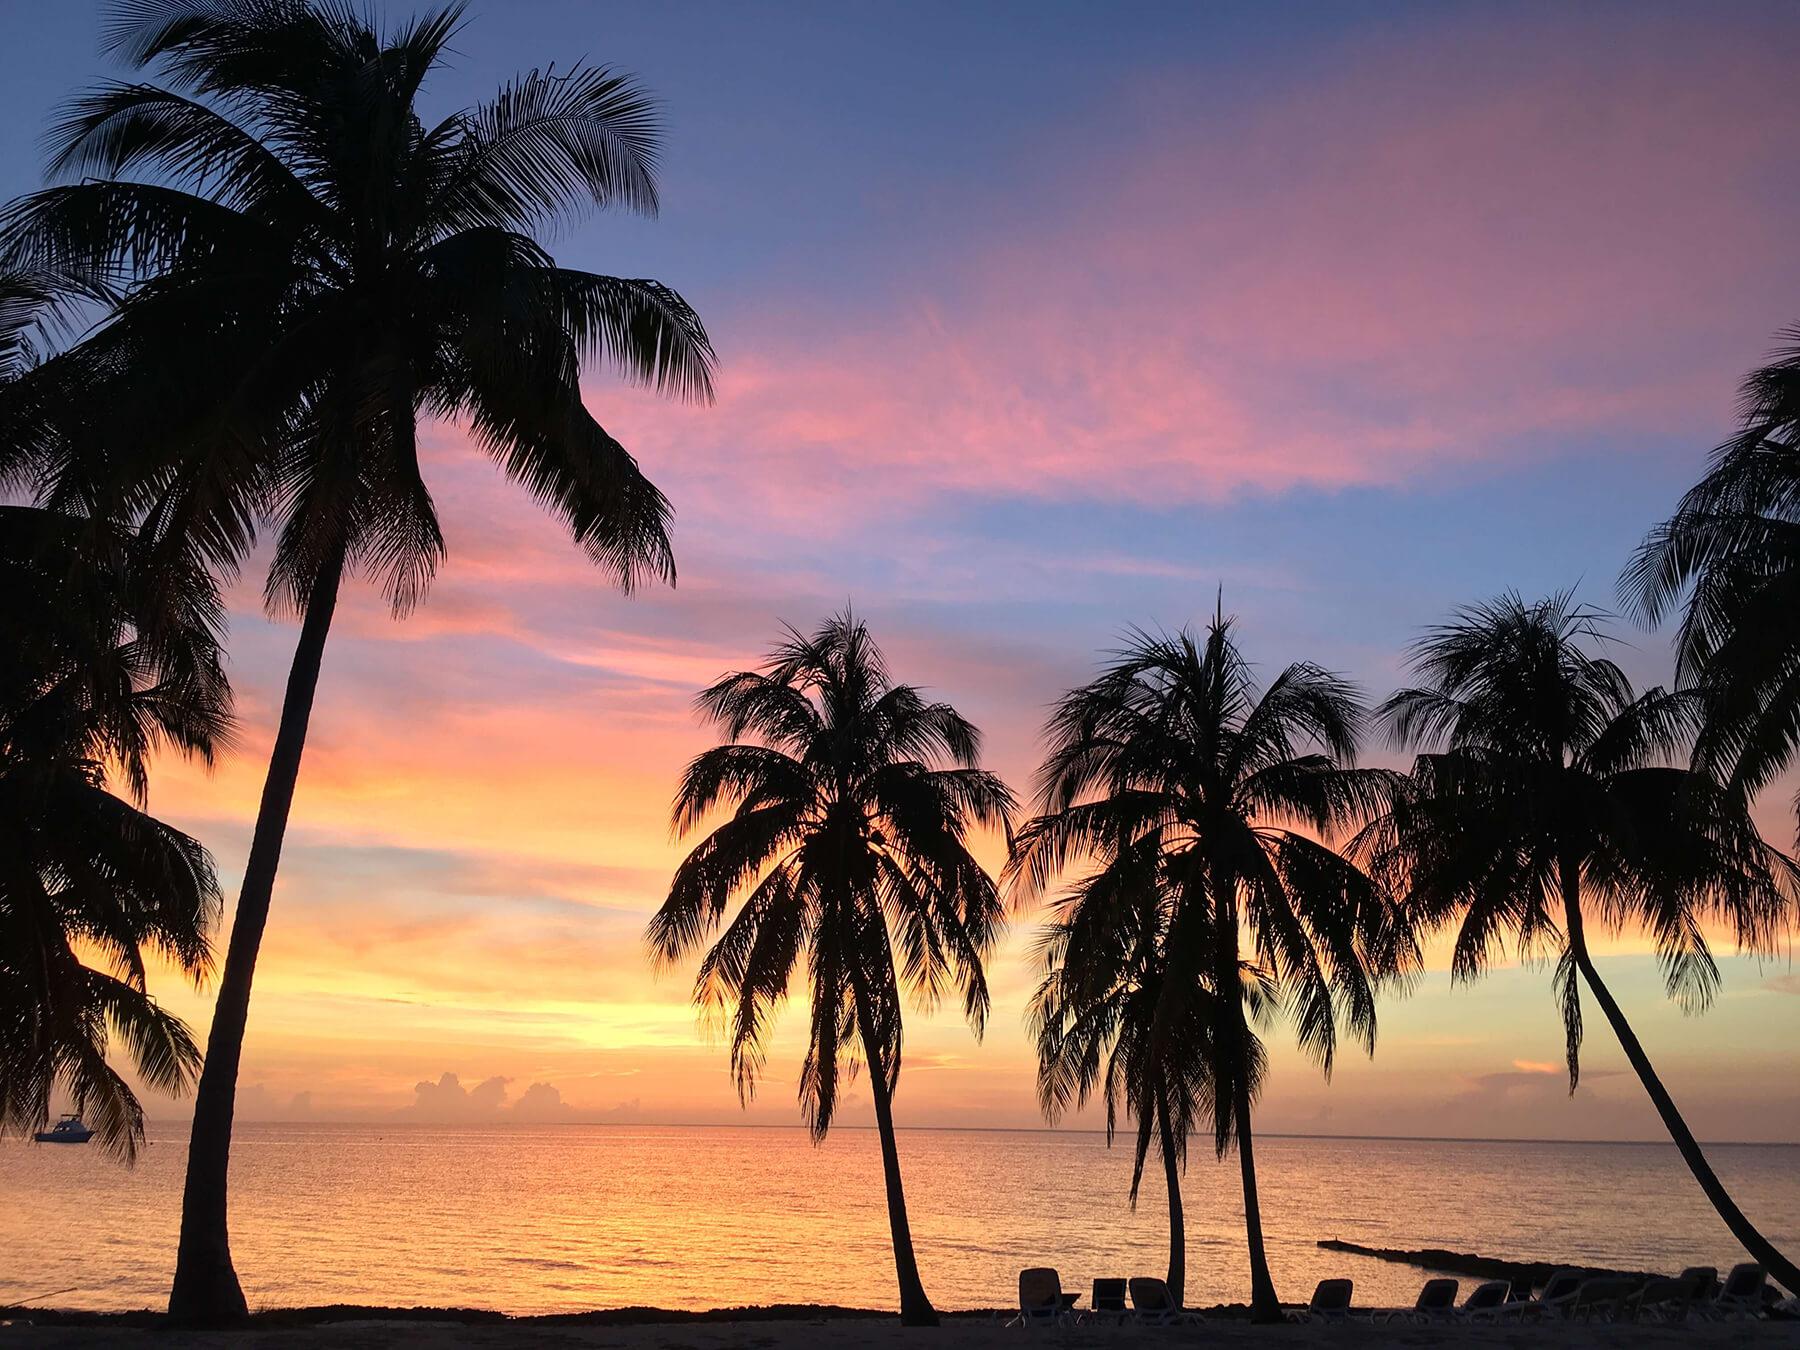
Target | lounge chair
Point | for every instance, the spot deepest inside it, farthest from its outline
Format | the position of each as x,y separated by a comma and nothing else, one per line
1040,1298
1742,1293
1436,1303
1672,1300
1330,1303
1153,1306
1706,1281
1602,1297
1555,1299
1485,1303
1109,1302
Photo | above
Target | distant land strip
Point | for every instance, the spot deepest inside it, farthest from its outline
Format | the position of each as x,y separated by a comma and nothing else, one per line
1536,1274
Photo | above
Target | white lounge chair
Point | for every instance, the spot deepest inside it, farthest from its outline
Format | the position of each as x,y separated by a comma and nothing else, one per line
1330,1303
1742,1293
1555,1299
1672,1300
1486,1302
1602,1298
1152,1304
1040,1299
1436,1303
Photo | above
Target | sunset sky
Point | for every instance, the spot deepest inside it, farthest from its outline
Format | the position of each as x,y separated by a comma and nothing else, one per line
1034,323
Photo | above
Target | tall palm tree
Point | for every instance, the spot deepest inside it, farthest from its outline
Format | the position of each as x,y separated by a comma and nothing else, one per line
1550,797
1174,743
1094,1020
850,804
104,663
295,269
1735,539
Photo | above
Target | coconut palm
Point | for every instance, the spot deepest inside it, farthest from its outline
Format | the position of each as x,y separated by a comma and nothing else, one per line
293,269
1735,539
1174,743
851,800
104,664
1551,799
1094,1020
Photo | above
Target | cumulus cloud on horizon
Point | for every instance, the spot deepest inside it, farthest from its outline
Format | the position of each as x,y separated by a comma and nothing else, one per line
448,1102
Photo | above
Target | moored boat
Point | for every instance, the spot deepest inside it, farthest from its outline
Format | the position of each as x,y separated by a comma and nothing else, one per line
68,1130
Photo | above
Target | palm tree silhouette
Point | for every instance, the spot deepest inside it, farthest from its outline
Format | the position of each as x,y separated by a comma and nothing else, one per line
1735,538
1174,743
848,846
105,662
1094,1020
1549,797
297,269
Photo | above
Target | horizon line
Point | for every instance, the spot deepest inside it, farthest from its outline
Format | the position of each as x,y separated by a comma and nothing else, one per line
983,1129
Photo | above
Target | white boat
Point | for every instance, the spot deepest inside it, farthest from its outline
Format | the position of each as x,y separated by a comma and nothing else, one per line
68,1130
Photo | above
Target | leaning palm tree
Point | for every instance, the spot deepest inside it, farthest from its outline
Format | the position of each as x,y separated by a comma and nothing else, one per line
104,664
1094,1020
293,269
1551,798
1735,540
851,800
1174,743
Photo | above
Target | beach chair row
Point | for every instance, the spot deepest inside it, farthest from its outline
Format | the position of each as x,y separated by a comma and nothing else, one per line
1571,1295
1142,1301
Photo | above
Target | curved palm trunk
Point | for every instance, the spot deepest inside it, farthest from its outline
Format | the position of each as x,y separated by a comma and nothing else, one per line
206,1289
915,1307
1177,1280
1782,1270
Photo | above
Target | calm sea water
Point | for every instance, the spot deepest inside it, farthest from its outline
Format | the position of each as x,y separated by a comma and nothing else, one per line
573,1217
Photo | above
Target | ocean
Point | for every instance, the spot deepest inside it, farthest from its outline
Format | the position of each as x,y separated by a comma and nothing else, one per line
561,1218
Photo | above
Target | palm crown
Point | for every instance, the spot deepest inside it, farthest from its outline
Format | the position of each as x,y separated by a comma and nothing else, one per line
1095,1018
1551,793
1174,749
1238,788
1735,536
295,266
104,664
1095,1013
851,806
847,839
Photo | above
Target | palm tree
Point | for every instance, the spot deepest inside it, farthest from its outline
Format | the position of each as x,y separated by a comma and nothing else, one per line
104,663
1094,1020
295,269
1551,797
1735,538
1234,788
847,843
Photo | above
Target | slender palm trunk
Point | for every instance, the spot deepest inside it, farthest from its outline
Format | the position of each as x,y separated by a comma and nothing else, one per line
1782,1270
206,1289
1265,1306
915,1307
1177,1280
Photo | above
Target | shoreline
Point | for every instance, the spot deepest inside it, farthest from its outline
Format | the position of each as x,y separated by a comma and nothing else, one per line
823,1327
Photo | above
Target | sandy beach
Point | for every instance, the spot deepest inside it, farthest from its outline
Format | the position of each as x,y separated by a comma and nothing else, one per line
956,1333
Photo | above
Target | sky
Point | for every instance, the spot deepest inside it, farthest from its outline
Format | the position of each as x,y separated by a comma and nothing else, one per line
1035,322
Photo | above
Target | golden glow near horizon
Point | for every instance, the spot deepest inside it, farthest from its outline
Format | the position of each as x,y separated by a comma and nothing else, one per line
473,859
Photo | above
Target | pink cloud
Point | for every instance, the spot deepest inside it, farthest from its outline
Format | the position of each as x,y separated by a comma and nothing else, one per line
1444,252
